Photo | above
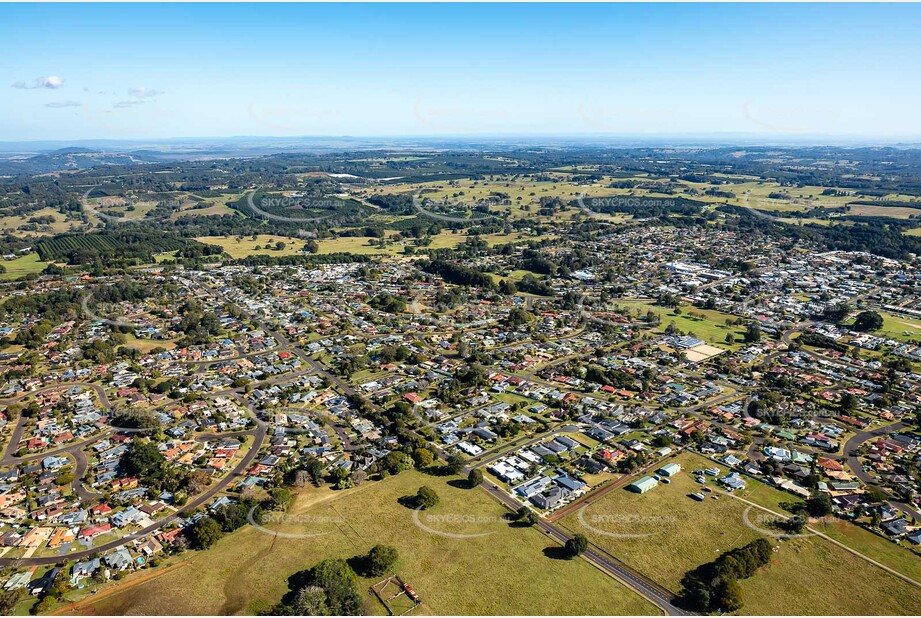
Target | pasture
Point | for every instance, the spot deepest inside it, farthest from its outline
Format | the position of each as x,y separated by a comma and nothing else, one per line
264,244
23,265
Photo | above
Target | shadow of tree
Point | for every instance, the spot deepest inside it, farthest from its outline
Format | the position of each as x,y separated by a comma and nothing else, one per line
555,552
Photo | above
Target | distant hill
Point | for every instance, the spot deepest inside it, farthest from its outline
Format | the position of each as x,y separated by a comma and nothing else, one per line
73,158
72,150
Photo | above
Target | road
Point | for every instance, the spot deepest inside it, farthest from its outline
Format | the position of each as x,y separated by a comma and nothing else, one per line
856,466
656,595
259,434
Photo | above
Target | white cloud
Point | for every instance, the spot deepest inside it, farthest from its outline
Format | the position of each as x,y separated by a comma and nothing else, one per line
145,93
122,104
52,82
59,104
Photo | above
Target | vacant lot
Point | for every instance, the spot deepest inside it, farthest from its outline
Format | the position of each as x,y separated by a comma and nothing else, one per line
672,533
236,247
503,572
706,324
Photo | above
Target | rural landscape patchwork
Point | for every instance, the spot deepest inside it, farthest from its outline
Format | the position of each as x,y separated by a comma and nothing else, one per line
441,373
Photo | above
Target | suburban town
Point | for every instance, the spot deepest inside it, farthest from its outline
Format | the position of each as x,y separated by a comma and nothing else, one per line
451,309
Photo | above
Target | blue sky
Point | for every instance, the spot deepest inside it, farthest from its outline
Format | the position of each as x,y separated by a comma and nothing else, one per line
144,71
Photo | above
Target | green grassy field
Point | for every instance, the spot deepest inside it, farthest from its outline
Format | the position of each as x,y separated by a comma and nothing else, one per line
503,572
146,345
247,246
816,576
711,327
10,224
903,557
899,327
211,206
444,240
357,245
24,265
524,193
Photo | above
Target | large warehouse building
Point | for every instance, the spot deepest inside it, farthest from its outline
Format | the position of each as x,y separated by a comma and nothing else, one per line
642,485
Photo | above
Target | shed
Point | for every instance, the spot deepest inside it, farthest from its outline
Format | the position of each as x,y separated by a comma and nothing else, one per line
670,469
642,485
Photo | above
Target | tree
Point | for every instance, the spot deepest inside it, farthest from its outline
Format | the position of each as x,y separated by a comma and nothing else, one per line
396,462
423,457
819,505
697,598
752,333
311,601
234,516
518,316
45,605
198,481
205,533
849,402
836,313
9,600
337,579
281,499
526,516
762,549
577,545
475,478
426,498
867,321
144,460
731,567
381,559
455,464
727,595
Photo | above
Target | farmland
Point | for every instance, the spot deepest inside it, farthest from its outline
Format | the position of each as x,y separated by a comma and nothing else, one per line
105,244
